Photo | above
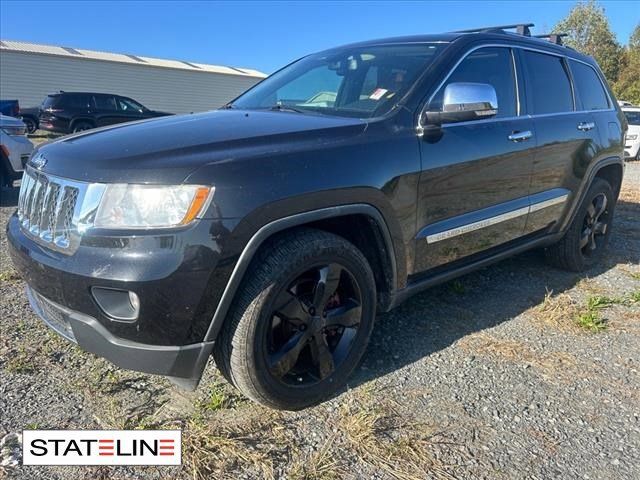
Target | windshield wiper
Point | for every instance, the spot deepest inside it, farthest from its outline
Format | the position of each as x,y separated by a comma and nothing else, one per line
285,108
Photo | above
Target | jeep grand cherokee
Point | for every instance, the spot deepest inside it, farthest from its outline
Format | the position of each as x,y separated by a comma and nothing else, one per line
270,232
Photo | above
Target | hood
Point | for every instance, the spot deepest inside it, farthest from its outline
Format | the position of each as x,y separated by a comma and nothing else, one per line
633,129
167,149
10,121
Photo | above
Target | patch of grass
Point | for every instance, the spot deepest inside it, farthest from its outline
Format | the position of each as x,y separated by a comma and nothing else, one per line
9,276
220,397
21,361
229,448
635,296
388,443
549,364
591,320
320,465
555,310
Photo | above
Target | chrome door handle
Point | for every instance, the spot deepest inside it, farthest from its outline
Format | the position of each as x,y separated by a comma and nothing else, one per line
520,136
586,126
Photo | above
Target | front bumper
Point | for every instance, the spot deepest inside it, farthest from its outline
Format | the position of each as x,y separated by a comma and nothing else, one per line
176,276
631,149
183,362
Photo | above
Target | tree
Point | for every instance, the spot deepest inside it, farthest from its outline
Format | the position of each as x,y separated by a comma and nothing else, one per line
634,39
588,32
628,85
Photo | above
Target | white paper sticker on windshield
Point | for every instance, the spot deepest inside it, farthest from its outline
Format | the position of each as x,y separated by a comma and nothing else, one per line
378,93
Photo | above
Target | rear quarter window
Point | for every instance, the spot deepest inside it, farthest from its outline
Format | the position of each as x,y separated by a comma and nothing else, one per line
548,84
74,101
591,94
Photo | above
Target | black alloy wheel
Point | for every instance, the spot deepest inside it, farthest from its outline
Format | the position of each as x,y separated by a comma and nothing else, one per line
595,225
313,326
300,322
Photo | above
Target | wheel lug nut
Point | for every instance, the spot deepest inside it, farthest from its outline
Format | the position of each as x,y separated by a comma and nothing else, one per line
312,311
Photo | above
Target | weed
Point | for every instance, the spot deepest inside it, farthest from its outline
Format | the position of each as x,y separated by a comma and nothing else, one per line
457,286
9,276
590,320
219,398
22,361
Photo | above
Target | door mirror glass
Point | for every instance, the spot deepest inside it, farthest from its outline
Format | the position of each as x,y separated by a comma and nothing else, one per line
464,101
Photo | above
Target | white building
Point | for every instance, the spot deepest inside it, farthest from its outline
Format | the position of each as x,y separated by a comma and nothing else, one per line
29,71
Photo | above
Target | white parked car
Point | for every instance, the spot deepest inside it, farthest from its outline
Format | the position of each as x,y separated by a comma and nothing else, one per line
632,144
15,149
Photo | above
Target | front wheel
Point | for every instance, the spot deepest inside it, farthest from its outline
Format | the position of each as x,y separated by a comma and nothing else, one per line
588,235
301,321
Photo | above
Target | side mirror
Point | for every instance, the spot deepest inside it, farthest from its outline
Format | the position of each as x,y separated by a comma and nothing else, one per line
463,102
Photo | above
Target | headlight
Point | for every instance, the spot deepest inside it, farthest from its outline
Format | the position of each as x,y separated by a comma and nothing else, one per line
632,137
14,131
150,206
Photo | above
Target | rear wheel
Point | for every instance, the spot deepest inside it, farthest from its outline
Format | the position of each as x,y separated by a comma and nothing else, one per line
301,321
81,126
588,235
30,123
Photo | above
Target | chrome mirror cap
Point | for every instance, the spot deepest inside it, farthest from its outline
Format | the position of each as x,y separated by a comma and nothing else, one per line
463,102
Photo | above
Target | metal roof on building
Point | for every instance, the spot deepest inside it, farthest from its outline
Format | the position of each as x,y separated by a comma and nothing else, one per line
80,53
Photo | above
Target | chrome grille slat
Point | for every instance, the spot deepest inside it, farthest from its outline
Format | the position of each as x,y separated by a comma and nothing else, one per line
48,208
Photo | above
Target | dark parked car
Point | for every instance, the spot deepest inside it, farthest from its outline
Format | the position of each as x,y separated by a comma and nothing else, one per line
29,117
67,112
272,231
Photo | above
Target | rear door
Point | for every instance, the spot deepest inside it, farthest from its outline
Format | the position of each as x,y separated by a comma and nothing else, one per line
568,138
106,110
474,184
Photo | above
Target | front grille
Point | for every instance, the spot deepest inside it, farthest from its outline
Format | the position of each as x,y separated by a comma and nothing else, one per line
47,207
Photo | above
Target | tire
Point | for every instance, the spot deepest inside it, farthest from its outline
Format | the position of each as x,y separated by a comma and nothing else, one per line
30,123
571,253
279,360
81,126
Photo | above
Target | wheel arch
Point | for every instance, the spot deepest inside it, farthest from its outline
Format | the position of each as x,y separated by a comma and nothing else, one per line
610,169
81,119
381,255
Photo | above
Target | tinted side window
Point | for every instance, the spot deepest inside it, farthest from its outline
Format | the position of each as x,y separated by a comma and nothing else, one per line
487,65
105,102
74,101
548,83
589,88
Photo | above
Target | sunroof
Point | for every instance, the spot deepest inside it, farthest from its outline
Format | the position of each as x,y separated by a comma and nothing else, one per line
137,59
72,51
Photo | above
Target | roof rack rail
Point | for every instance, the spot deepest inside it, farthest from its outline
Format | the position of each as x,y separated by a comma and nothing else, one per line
521,29
553,37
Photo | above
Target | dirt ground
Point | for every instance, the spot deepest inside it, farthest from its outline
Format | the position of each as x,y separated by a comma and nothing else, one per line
515,371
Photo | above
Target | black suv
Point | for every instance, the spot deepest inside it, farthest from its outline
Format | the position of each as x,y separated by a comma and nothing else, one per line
271,232
68,112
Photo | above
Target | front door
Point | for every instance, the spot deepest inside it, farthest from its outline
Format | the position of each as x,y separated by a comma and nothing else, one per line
474,184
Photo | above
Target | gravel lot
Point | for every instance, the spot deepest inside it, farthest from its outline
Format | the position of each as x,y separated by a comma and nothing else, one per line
515,371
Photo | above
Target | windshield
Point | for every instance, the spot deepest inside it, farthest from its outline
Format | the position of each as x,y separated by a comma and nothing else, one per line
358,82
633,118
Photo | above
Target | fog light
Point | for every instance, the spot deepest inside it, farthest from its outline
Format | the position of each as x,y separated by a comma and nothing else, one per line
118,305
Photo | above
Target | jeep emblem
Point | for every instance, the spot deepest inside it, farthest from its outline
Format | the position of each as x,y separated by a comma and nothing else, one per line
38,161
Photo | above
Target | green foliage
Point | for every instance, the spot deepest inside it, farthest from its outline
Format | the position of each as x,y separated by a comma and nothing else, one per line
628,85
589,32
